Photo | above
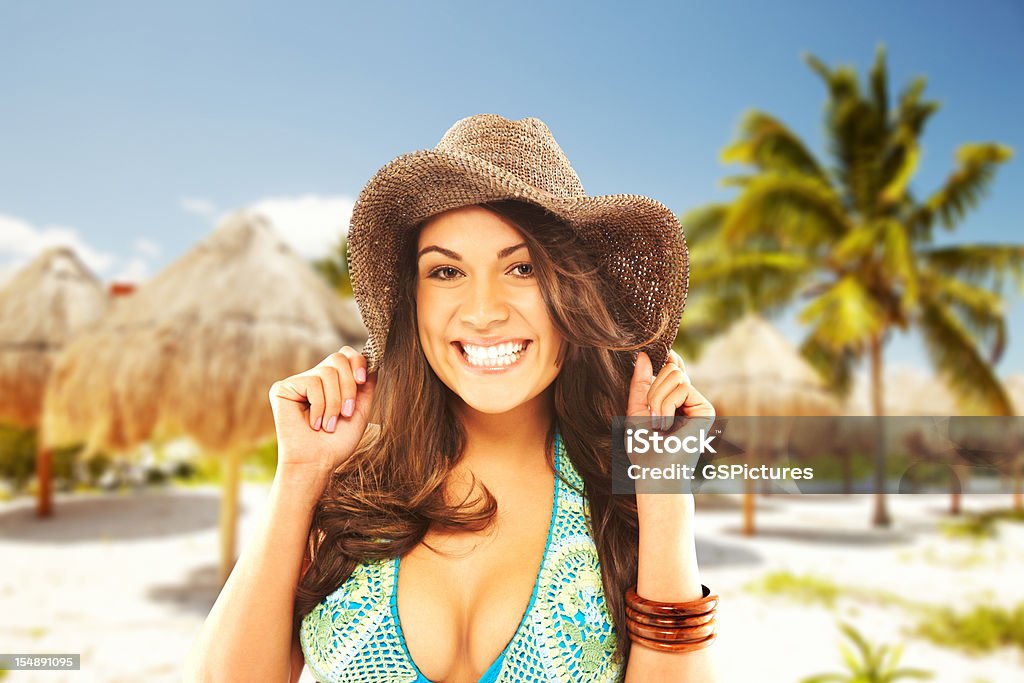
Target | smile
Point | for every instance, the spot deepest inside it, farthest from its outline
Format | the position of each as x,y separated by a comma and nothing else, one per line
493,358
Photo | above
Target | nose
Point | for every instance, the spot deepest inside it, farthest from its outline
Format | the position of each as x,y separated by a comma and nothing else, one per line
484,305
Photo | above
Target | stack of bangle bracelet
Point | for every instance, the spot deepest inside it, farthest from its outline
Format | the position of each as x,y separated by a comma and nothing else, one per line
671,626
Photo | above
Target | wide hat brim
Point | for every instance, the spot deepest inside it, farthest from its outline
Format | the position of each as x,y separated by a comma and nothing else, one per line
637,240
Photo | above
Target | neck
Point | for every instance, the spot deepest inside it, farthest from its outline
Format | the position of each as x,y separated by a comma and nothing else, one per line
513,439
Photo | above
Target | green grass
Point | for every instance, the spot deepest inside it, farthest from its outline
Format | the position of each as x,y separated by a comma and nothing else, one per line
979,525
982,628
806,589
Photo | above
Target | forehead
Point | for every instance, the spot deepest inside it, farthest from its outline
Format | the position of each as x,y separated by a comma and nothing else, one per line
468,226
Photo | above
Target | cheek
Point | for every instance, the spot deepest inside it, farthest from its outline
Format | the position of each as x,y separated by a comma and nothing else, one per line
431,319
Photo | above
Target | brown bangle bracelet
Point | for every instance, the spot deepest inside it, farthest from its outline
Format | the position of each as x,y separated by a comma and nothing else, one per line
672,647
669,622
668,635
656,608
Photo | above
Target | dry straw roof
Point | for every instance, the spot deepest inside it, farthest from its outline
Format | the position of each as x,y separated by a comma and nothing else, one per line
194,350
752,369
905,391
42,307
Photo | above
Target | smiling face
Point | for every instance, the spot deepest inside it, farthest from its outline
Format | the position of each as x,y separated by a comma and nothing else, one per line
482,322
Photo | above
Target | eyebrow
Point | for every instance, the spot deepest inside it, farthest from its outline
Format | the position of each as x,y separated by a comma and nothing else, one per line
452,255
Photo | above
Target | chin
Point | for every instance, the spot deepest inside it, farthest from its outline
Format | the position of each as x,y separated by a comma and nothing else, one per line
493,405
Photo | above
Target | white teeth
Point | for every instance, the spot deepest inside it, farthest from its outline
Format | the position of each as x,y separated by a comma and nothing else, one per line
504,354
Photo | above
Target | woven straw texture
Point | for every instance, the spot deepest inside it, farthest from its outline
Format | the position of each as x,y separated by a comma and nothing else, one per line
637,240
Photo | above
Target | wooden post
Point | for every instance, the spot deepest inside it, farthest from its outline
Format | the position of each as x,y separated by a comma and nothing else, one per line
1018,499
44,492
749,497
231,469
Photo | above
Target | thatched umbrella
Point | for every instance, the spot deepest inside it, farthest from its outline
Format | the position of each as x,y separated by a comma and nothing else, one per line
194,351
42,307
914,393
45,305
752,370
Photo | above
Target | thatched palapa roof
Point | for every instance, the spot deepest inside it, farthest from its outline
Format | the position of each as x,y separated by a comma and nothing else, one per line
42,307
195,349
753,370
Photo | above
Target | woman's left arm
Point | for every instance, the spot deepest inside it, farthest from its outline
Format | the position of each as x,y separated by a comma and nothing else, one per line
667,563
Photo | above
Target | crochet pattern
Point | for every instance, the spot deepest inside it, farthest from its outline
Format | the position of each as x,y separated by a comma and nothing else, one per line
566,634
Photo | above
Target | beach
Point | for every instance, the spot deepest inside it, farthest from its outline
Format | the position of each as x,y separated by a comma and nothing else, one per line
126,579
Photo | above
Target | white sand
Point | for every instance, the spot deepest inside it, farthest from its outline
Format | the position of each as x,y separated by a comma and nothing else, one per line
126,580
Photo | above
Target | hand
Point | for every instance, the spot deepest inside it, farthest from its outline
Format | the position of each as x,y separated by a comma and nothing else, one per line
661,399
321,414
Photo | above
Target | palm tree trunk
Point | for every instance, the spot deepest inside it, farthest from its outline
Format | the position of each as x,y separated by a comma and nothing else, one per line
881,514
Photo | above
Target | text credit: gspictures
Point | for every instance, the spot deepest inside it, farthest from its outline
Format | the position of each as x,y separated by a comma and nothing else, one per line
647,442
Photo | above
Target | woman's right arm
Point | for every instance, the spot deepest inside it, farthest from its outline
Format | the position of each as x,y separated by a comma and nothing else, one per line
320,416
248,633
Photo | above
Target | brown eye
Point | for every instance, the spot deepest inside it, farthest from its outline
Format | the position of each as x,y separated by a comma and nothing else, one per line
444,273
523,269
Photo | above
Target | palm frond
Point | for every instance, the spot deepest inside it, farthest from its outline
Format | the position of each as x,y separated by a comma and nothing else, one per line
912,113
880,84
845,316
978,263
955,357
857,140
765,142
791,209
834,367
981,310
765,281
899,260
703,223
965,187
899,164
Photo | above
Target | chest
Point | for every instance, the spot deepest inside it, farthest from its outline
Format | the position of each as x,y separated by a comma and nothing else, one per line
462,597
462,611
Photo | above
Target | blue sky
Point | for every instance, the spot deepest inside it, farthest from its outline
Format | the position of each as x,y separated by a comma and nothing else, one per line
128,128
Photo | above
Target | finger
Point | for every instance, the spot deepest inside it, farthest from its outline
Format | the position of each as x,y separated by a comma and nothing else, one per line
315,395
357,361
639,386
668,379
330,378
677,359
697,405
672,400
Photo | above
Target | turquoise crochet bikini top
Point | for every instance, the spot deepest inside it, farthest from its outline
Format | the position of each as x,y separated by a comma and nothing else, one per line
566,633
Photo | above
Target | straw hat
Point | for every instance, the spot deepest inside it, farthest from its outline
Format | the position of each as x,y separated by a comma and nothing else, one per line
636,240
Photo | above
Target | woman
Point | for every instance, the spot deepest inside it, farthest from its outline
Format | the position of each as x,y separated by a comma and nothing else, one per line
511,317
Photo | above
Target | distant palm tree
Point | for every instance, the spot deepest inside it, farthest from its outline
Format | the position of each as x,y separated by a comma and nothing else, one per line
334,268
854,240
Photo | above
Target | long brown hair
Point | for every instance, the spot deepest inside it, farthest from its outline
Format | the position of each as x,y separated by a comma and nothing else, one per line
381,502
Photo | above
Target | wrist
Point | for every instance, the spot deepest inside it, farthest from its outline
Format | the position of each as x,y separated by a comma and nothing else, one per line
304,483
660,509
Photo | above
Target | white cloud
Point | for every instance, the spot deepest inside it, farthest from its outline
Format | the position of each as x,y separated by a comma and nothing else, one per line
20,242
199,206
310,224
147,247
135,271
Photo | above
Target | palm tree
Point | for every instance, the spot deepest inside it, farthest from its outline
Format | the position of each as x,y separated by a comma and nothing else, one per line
334,268
854,242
